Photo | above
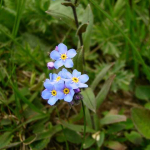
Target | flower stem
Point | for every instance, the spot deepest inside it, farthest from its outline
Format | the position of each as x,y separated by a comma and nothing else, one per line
83,107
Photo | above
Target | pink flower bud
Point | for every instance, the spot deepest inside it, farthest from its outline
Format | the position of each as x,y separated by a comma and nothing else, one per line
56,48
50,65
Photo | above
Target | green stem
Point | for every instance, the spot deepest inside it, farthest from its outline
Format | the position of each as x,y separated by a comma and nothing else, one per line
139,57
67,146
83,107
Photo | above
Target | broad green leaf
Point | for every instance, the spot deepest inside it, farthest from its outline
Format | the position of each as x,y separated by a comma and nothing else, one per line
87,18
100,76
62,17
115,145
114,128
49,133
110,119
78,60
88,117
72,136
89,99
5,139
134,137
142,92
78,128
118,9
104,91
29,140
101,139
88,142
40,145
11,145
141,119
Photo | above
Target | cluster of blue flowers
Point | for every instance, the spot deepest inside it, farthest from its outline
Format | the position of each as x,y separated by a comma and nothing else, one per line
64,85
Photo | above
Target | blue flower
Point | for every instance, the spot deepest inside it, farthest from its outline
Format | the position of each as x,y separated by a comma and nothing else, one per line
63,56
77,80
60,77
67,91
51,93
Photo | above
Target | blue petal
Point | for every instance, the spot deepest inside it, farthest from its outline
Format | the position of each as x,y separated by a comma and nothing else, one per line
76,73
52,100
58,63
50,76
68,84
71,53
68,98
54,76
54,55
60,95
84,78
68,75
46,94
63,73
48,85
68,63
82,85
72,92
62,48
59,86
74,85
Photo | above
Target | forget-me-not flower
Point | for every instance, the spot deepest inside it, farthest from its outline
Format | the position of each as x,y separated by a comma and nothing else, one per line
66,90
77,80
52,93
63,56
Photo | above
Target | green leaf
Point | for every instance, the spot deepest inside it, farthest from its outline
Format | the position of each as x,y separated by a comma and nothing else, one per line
40,145
78,128
104,91
87,18
101,139
72,136
141,119
142,92
100,76
89,99
62,17
11,145
134,137
5,139
88,142
78,60
110,119
29,140
114,145
82,28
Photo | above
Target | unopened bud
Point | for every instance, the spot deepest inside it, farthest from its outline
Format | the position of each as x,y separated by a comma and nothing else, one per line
50,65
77,90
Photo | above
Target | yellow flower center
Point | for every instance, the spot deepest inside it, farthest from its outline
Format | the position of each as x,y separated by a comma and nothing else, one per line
63,56
58,78
74,79
66,91
54,93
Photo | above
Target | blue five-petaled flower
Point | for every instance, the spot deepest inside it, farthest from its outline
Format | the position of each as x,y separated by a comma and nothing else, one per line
77,80
63,56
